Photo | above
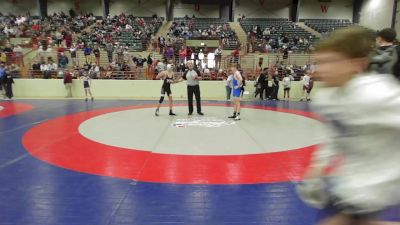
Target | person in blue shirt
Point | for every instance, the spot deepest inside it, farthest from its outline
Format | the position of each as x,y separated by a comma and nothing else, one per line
8,81
2,76
237,83
87,51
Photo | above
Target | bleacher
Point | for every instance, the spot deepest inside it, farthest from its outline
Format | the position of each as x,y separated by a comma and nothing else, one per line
3,39
201,23
135,44
232,41
281,26
326,25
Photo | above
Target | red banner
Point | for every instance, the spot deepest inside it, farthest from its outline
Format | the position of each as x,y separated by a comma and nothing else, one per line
77,5
197,7
324,8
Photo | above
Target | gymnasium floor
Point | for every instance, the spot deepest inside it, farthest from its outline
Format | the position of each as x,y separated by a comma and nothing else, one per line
70,162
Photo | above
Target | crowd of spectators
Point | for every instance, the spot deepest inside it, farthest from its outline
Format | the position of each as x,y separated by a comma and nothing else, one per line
12,57
14,26
269,41
59,34
192,28
110,29
187,29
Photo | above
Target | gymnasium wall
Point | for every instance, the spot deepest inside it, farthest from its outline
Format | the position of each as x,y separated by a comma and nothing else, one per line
205,11
91,6
20,7
54,6
134,89
337,9
376,14
254,9
145,8
397,24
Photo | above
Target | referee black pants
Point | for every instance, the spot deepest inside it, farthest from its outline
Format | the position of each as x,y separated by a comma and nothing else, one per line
196,91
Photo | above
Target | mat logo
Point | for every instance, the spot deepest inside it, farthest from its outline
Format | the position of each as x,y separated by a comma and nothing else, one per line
212,122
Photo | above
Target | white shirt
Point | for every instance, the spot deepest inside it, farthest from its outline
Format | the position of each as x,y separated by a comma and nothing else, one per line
229,80
287,81
364,128
17,49
306,80
312,68
201,55
8,30
210,56
60,73
19,21
53,66
44,67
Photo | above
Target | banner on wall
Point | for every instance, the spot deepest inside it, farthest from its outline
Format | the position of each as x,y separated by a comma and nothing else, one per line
77,5
324,8
14,1
197,7
262,2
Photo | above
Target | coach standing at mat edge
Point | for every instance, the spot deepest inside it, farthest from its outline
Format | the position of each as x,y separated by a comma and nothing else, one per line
192,77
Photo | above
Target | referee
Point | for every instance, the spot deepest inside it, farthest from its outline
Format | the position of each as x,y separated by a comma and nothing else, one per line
192,77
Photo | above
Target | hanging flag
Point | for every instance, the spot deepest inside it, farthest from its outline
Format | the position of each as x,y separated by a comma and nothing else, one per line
324,8
197,7
77,5
262,2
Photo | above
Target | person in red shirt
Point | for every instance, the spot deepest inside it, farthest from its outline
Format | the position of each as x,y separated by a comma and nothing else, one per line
96,53
189,53
36,27
68,83
68,40
182,55
235,56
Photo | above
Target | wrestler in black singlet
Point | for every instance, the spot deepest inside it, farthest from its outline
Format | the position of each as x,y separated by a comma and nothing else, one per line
166,87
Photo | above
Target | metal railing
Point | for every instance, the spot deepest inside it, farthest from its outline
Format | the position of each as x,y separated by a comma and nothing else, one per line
111,75
149,74
249,64
16,58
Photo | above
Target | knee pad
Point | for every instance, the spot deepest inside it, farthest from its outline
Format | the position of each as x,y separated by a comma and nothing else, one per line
161,99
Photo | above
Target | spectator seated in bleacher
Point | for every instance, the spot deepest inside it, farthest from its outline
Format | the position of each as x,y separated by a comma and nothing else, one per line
325,26
131,31
204,28
275,35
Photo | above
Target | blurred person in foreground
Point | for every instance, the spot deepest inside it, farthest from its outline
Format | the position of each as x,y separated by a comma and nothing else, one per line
362,114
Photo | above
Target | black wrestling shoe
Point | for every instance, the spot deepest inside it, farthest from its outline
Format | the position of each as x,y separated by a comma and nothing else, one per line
233,116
